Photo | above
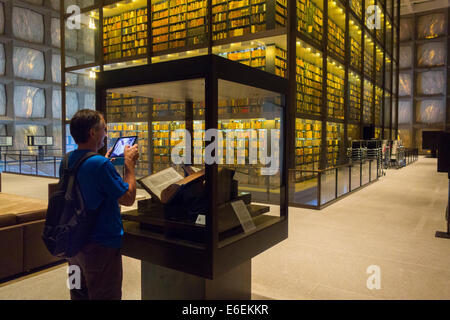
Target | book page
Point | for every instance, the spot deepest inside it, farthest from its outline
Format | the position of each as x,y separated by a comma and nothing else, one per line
159,181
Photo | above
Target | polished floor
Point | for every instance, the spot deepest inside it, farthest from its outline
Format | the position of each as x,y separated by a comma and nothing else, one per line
388,226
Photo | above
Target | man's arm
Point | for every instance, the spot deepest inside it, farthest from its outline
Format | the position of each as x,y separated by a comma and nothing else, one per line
131,155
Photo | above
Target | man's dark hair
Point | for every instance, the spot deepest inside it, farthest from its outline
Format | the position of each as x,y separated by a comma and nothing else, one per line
82,122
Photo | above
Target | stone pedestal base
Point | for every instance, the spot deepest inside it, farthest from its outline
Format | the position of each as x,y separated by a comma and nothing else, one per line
160,283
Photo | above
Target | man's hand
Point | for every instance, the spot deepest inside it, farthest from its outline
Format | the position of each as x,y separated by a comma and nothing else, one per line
108,154
131,155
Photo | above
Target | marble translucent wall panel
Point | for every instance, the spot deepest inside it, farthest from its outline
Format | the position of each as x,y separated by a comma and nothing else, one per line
406,29
24,130
430,111
56,104
2,59
406,137
88,41
57,136
28,63
431,26
71,39
29,102
56,33
2,100
431,54
55,4
430,82
2,19
28,25
35,2
406,57
405,84
71,104
89,101
404,112
71,78
2,129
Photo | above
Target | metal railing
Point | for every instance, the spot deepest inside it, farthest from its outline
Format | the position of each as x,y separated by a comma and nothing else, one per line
316,189
30,164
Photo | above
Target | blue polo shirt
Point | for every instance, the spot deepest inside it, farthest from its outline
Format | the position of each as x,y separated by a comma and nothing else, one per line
101,187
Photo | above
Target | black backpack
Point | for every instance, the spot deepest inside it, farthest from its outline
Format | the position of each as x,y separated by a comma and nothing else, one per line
68,223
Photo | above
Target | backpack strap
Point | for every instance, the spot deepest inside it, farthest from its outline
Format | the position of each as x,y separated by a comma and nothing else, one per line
73,173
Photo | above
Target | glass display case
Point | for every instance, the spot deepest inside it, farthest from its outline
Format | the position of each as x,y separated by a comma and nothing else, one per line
206,201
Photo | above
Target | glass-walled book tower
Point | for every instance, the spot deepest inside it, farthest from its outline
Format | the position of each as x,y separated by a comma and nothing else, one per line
340,57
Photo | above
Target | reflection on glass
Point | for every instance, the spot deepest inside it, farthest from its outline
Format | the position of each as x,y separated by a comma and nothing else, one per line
343,186
328,186
355,176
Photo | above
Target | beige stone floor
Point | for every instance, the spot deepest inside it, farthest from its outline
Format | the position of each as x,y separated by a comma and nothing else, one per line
390,224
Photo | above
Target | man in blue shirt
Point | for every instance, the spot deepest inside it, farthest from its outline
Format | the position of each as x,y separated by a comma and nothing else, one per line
102,188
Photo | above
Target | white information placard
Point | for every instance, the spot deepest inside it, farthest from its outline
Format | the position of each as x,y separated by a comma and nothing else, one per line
243,215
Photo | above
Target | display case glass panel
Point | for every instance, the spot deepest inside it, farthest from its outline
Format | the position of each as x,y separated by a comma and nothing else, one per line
309,79
394,112
335,89
389,36
82,37
431,26
405,84
379,32
336,29
310,19
355,44
370,15
388,73
354,87
327,186
79,3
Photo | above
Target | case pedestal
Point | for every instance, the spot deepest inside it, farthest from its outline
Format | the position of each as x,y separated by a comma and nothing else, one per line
160,283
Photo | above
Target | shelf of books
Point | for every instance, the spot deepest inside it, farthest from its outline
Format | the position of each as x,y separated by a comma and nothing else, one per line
368,56
379,72
354,86
355,44
140,129
379,32
178,23
368,102
122,107
164,139
309,79
125,35
378,105
270,58
233,18
308,136
310,19
356,7
353,132
335,89
334,133
336,29
377,132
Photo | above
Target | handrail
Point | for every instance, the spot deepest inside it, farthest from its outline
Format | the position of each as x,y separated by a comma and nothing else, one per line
350,164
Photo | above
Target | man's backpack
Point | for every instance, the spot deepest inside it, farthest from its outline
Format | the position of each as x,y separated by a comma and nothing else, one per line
68,223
